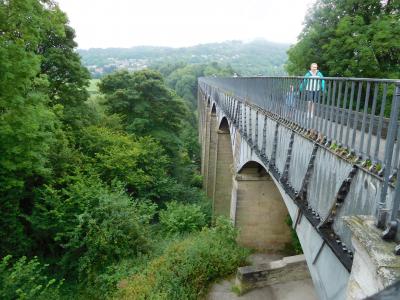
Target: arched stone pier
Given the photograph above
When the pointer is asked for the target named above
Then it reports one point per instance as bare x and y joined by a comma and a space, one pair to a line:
223, 171
260, 212
211, 153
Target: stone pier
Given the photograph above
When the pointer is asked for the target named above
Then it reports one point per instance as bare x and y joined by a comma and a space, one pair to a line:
260, 211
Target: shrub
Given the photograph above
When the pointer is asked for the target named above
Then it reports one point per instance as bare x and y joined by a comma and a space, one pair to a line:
294, 246
181, 218
187, 267
25, 279
91, 225
109, 229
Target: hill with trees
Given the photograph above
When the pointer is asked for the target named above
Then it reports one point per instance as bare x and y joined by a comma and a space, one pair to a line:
258, 57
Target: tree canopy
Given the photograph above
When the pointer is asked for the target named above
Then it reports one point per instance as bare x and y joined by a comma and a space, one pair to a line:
96, 187
147, 107
182, 77
349, 38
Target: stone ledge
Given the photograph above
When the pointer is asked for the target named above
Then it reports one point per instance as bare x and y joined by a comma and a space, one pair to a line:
287, 269
375, 266
251, 177
379, 251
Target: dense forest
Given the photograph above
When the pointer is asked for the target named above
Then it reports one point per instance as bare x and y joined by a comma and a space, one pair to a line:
100, 193
258, 57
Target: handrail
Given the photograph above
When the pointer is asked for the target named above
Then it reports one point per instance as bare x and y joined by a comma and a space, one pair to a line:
387, 80
337, 110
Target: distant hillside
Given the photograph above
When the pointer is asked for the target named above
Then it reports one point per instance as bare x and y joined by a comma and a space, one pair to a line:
253, 58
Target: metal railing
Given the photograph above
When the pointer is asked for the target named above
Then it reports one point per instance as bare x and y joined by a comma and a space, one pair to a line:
358, 115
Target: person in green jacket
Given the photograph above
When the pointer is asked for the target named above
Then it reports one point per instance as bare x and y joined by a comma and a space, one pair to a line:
312, 85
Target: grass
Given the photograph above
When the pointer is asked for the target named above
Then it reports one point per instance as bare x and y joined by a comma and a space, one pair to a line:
236, 289
334, 146
92, 88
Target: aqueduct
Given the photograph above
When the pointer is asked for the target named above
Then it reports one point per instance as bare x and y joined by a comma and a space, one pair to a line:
332, 169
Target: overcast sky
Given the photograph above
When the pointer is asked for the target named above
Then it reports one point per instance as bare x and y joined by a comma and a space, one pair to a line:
178, 23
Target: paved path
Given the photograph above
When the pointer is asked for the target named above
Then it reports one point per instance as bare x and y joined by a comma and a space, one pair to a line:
292, 290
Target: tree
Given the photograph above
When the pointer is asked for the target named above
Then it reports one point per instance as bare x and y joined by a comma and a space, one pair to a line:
349, 38
68, 78
42, 86
183, 78
138, 162
147, 106
26, 121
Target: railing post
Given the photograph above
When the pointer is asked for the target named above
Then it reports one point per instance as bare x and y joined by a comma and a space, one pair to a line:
396, 199
382, 212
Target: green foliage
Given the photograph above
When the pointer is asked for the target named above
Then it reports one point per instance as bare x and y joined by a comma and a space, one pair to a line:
145, 209
183, 77
66, 76
93, 87
25, 279
181, 218
106, 282
83, 179
187, 267
146, 105
89, 225
107, 231
23, 23
349, 38
294, 247
138, 162
26, 121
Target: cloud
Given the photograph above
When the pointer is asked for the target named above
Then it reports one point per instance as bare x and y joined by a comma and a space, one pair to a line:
176, 23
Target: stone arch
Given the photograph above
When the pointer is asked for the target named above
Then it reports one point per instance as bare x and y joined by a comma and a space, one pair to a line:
213, 108
222, 192
258, 210
224, 125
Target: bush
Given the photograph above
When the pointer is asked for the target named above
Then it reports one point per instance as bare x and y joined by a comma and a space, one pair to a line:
25, 279
109, 229
181, 218
187, 267
91, 225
